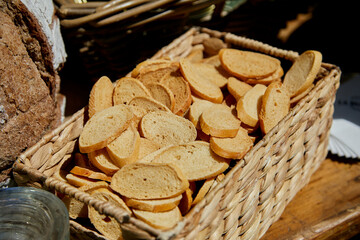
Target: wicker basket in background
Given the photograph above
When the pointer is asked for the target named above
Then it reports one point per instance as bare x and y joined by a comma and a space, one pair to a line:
254, 192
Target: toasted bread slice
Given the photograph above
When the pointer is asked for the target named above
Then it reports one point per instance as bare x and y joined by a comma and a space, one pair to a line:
79, 181
275, 106
160, 220
276, 76
165, 128
162, 94
219, 121
147, 64
303, 72
100, 95
104, 127
204, 189
78, 209
195, 159
125, 148
153, 74
156, 205
196, 109
148, 104
101, 160
146, 147
248, 106
89, 173
181, 90
248, 64
237, 88
106, 225
212, 73
232, 148
127, 88
201, 86
196, 54
294, 100
186, 201
149, 181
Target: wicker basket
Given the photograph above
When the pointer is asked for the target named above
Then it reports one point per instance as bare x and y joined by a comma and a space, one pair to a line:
254, 192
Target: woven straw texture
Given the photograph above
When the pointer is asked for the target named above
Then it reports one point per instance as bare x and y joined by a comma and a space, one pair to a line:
254, 192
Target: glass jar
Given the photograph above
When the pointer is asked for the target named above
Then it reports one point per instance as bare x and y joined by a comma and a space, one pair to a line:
32, 213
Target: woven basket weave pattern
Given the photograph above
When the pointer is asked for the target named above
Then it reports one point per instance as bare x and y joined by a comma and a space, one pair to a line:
254, 192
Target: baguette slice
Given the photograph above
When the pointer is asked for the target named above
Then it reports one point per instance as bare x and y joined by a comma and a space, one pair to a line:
104, 127
153, 74
276, 76
148, 104
125, 148
196, 160
79, 181
237, 88
181, 90
248, 106
219, 121
100, 95
162, 94
149, 181
200, 85
147, 64
86, 172
101, 160
204, 189
303, 72
248, 64
275, 106
78, 209
196, 109
186, 201
127, 88
106, 225
156, 205
212, 73
232, 148
165, 128
160, 220
146, 147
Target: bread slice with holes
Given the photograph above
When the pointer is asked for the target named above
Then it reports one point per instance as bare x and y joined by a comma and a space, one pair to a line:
149, 181
162, 94
181, 90
196, 109
275, 106
219, 121
153, 74
127, 88
106, 225
199, 84
302, 73
248, 64
160, 220
104, 127
166, 128
100, 95
154, 205
248, 107
195, 159
232, 148
125, 148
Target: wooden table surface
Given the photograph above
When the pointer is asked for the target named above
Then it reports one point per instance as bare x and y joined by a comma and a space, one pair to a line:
327, 208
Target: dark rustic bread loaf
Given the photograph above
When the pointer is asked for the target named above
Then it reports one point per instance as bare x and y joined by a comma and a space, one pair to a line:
29, 81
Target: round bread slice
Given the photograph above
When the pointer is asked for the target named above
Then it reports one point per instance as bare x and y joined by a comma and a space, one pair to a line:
199, 84
232, 148
100, 95
237, 88
166, 128
211, 73
196, 160
153, 74
104, 127
154, 205
186, 201
101, 160
125, 148
149, 181
160, 220
248, 64
196, 109
181, 90
303, 72
146, 147
204, 189
146, 64
276, 76
219, 121
127, 88
106, 225
162, 94
248, 107
275, 106
148, 104
89, 173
